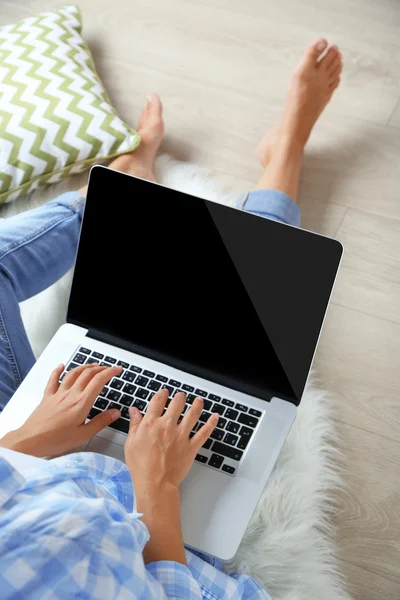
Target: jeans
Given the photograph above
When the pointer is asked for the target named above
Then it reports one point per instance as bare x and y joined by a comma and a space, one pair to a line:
39, 246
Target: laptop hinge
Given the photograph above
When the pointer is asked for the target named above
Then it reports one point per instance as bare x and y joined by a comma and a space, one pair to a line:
229, 382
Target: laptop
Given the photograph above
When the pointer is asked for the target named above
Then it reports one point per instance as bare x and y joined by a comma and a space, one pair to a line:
193, 296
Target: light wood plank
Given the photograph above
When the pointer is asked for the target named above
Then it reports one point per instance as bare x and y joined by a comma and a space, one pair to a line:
369, 515
366, 585
370, 275
358, 358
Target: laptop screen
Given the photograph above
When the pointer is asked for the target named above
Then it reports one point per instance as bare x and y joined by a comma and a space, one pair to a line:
215, 291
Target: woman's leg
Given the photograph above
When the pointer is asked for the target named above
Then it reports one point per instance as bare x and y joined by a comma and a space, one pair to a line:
281, 151
39, 246
36, 249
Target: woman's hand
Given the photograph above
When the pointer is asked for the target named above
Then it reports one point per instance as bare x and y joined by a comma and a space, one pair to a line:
57, 425
158, 450
159, 454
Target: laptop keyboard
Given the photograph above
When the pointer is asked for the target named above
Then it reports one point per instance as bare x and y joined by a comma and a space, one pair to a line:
136, 387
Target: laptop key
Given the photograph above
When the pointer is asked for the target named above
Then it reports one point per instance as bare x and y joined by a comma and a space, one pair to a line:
104, 391
201, 393
97, 355
140, 405
79, 358
230, 439
135, 369
123, 364
113, 395
242, 443
207, 444
175, 383
200, 458
231, 414
72, 366
129, 376
169, 388
221, 422
141, 393
142, 381
232, 427
227, 402
125, 413
129, 389
110, 359
229, 469
154, 385
246, 432
207, 404
114, 405
216, 461
187, 388
84, 350
214, 398
190, 398
120, 425
204, 416
241, 407
126, 400
91, 361
162, 378
101, 403
227, 451
248, 420
149, 373
217, 434
116, 384
255, 413
217, 408
93, 413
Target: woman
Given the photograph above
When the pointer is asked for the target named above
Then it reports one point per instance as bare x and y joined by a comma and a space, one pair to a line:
69, 526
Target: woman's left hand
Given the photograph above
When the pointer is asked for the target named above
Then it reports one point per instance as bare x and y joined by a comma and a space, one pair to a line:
57, 425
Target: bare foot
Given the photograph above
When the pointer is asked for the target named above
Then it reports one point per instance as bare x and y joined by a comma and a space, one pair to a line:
310, 89
140, 162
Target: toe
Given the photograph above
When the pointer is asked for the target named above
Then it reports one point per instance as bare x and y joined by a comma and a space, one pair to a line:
314, 50
330, 58
335, 72
154, 106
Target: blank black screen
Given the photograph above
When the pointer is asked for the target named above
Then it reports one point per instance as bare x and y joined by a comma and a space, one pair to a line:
219, 292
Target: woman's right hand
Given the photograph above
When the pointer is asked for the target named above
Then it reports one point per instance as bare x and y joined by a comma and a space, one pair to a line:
159, 454
158, 450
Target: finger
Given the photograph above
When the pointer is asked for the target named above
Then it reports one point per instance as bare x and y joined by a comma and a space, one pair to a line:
157, 404
98, 423
87, 376
73, 375
175, 409
52, 384
204, 433
135, 419
96, 384
192, 416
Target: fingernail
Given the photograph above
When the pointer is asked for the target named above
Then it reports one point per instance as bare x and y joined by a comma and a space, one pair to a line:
132, 411
335, 47
149, 97
216, 416
321, 45
115, 414
61, 365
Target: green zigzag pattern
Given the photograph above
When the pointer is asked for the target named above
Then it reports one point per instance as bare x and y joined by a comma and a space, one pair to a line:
60, 141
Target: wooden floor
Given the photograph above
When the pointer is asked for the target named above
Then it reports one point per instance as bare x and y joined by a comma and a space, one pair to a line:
221, 68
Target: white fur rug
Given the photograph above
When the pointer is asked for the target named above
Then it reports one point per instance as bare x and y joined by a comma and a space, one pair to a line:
289, 543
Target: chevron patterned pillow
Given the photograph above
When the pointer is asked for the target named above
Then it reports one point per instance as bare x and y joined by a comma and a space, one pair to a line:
56, 118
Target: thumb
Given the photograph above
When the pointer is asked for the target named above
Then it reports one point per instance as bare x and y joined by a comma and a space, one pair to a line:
101, 421
136, 419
